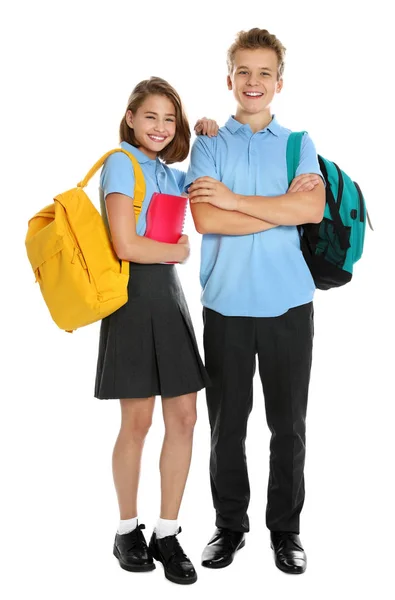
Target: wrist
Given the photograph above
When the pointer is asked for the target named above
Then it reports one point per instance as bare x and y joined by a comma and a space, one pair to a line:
239, 201
181, 252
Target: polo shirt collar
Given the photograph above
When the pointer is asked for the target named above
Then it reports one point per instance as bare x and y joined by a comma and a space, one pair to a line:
233, 126
141, 157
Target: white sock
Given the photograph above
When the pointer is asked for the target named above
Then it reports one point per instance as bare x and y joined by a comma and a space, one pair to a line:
127, 525
165, 527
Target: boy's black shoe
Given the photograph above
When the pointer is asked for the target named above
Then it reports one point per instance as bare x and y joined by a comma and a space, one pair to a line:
221, 549
288, 552
178, 568
132, 552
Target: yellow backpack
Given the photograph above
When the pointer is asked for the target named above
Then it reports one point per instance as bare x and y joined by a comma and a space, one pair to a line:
80, 276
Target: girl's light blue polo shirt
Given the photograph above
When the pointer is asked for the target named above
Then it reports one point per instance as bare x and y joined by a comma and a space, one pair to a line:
117, 176
262, 274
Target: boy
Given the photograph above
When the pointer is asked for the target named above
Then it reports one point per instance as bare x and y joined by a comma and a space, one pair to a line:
257, 297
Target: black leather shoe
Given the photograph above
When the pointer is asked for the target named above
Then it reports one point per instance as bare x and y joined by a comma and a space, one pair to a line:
132, 552
221, 549
288, 552
178, 568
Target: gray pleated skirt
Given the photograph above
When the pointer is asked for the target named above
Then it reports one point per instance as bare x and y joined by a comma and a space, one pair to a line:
148, 346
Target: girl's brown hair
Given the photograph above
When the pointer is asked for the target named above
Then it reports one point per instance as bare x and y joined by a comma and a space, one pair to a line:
178, 148
255, 39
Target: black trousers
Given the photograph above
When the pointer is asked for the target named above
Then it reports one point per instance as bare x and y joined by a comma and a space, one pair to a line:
284, 348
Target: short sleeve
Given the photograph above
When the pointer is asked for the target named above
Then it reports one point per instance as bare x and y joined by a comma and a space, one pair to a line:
179, 176
308, 162
202, 163
117, 176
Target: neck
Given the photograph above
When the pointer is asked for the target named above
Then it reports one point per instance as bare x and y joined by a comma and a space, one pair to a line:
256, 122
150, 153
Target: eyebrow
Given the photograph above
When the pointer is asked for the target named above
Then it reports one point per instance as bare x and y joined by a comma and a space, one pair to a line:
262, 68
151, 112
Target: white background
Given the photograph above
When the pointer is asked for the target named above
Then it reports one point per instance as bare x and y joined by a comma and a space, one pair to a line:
67, 71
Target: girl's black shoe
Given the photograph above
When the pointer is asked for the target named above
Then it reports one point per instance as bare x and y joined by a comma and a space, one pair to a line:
178, 568
132, 552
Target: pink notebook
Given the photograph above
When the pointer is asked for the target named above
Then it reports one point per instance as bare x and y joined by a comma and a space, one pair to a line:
165, 217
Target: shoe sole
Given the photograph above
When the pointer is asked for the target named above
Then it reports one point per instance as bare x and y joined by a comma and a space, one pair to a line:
172, 578
229, 562
134, 568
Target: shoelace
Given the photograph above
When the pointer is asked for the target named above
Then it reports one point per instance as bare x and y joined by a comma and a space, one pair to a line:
173, 546
138, 538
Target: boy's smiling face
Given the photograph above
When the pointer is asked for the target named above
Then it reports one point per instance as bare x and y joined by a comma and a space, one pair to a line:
254, 80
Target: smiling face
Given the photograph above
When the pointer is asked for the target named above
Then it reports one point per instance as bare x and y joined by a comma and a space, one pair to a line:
153, 124
254, 81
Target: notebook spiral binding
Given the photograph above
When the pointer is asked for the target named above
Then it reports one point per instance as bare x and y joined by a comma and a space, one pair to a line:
185, 216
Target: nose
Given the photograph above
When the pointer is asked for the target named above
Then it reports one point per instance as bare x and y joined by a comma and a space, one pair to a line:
252, 80
160, 126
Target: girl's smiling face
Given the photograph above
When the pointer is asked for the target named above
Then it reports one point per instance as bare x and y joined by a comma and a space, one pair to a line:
154, 124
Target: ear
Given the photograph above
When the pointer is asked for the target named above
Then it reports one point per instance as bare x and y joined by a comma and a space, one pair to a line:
129, 118
229, 82
279, 86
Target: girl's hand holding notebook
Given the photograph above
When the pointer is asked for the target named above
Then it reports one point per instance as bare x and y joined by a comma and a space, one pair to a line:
165, 217
184, 241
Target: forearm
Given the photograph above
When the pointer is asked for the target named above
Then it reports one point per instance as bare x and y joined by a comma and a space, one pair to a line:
210, 219
289, 209
146, 251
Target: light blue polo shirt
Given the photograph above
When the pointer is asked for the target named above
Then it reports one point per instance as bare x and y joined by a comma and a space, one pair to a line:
262, 274
117, 176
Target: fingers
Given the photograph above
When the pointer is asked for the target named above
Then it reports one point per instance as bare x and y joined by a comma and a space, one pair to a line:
201, 191
199, 127
301, 180
212, 128
303, 187
306, 177
205, 179
201, 194
200, 200
201, 185
202, 188
207, 127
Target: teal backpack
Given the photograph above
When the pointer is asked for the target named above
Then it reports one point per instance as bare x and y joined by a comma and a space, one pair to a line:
331, 248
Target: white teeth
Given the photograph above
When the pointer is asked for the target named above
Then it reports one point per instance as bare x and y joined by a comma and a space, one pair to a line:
254, 94
157, 138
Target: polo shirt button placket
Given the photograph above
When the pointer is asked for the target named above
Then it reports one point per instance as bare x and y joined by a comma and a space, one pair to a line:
160, 177
251, 150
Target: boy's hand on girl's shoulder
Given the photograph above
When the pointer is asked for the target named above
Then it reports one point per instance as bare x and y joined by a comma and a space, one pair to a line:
207, 127
212, 191
304, 183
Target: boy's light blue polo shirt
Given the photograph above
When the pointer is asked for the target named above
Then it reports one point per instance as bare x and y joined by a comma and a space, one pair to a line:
117, 176
262, 274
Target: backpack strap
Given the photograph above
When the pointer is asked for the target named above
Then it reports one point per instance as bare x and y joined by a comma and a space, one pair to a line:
294, 146
334, 206
139, 189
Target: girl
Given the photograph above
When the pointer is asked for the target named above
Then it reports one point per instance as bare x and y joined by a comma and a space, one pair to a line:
148, 347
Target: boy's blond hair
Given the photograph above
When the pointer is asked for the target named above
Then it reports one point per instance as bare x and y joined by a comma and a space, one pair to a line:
256, 39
